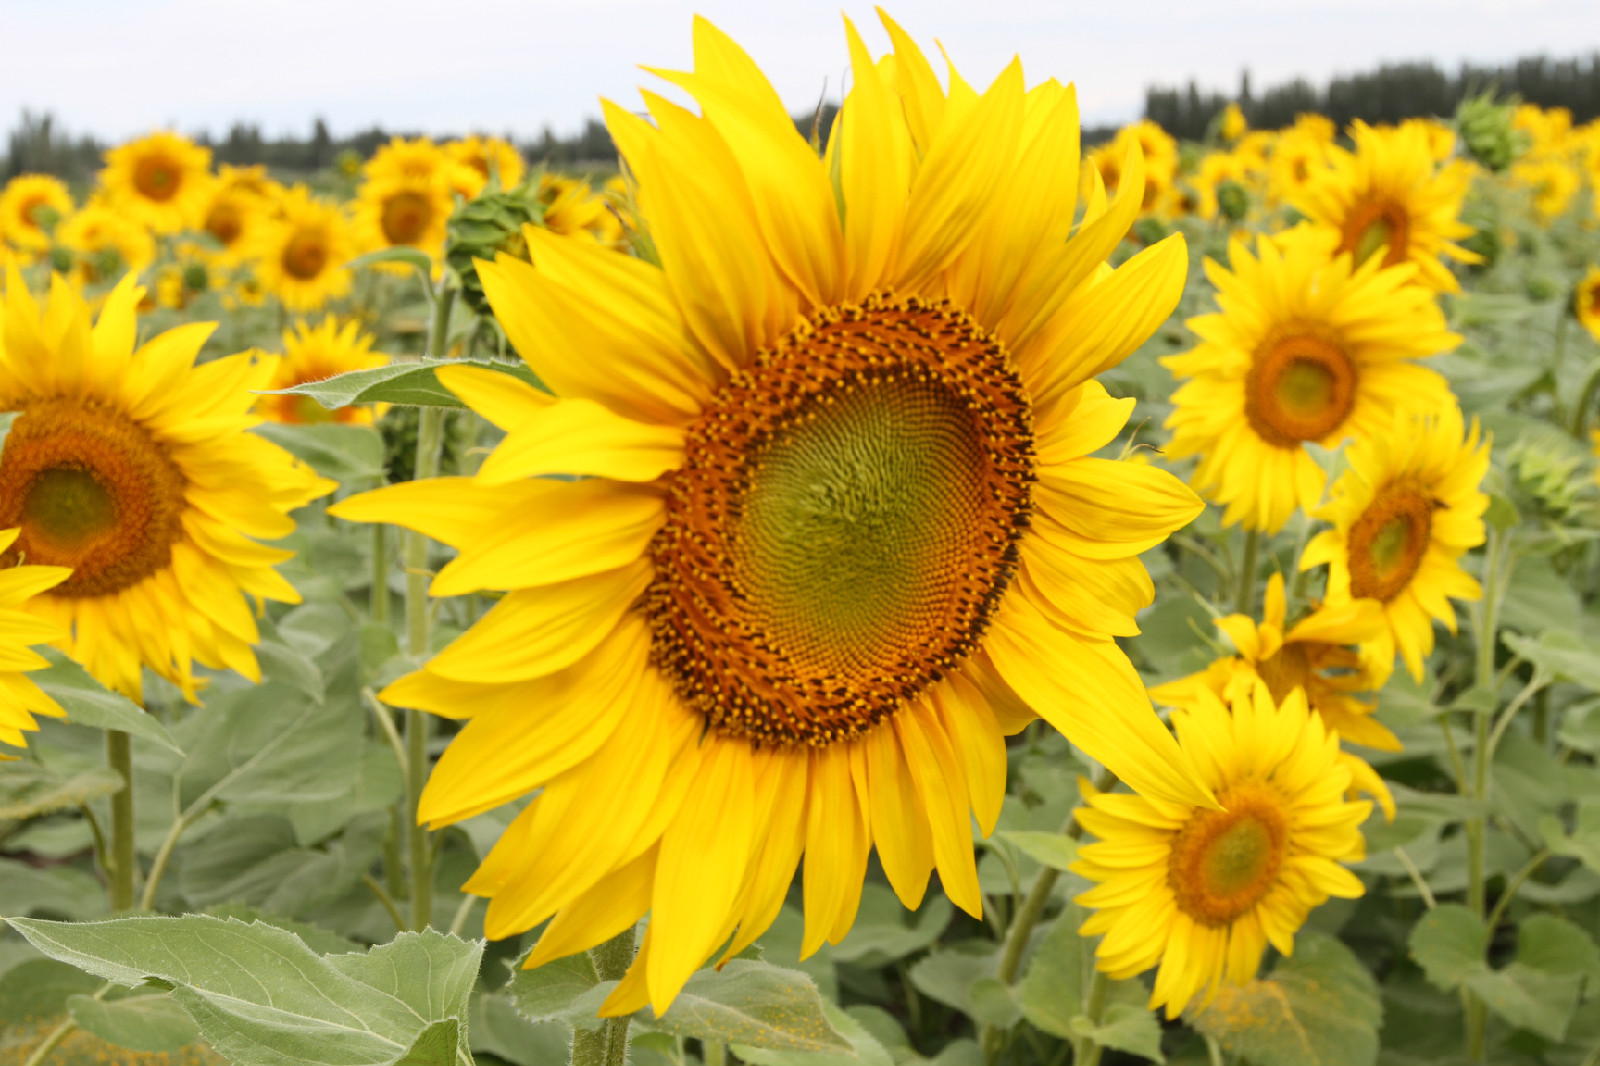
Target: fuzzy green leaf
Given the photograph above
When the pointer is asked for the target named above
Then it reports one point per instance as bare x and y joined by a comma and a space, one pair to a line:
1449, 943
28, 789
412, 384
1051, 849
345, 453
143, 1023
89, 703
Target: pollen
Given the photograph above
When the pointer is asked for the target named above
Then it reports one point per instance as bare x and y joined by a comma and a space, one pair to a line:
844, 523
90, 489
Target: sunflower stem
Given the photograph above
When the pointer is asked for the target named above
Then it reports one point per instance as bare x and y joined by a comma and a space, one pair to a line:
608, 1045
120, 863
1085, 1051
1244, 601
380, 574
1580, 413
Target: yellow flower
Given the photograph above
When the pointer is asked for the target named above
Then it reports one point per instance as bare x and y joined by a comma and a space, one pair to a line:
836, 532
1296, 159
413, 160
104, 243
1215, 169
1404, 512
1305, 349
1318, 128
134, 467
1201, 893
1586, 302
1552, 183
1390, 194
480, 156
160, 180
30, 207
1233, 124
315, 355
300, 256
241, 201
396, 212
572, 209
21, 699
1441, 137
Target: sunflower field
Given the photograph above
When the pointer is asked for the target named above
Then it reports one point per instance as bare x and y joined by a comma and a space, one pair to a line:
914, 589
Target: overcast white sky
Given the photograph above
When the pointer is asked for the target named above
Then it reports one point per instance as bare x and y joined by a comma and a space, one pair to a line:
118, 67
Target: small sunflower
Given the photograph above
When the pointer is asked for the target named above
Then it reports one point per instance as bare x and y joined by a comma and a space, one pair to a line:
1404, 512
1232, 124
300, 257
241, 201
160, 180
1391, 194
104, 243
1305, 349
1586, 302
1552, 184
397, 212
836, 531
409, 160
486, 156
573, 209
315, 354
1296, 159
30, 208
134, 467
21, 699
1202, 892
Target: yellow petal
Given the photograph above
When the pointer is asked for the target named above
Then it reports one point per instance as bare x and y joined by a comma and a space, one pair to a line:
580, 437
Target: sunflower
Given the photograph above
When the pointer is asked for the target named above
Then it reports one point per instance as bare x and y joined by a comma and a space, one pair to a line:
1306, 349
1295, 160
315, 355
573, 209
252, 181
484, 157
1586, 302
409, 160
1390, 194
1232, 125
1313, 657
1202, 892
30, 207
105, 243
134, 468
300, 256
396, 212
1552, 184
21, 699
1404, 512
160, 180
835, 535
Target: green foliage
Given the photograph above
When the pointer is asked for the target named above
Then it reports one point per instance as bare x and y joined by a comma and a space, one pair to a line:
411, 384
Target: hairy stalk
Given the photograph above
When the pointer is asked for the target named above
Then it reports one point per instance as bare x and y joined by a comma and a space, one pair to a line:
1244, 600
380, 574
608, 1045
121, 862
1085, 1052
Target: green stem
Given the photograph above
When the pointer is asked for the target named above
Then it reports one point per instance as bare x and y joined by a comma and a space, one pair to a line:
716, 1053
608, 1045
1244, 602
61, 1032
386, 900
1580, 413
119, 757
1214, 1051
1503, 904
1085, 1051
380, 574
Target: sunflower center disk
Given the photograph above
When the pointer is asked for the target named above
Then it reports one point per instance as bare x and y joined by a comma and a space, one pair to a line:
844, 524
1301, 387
1387, 543
405, 217
1286, 671
305, 256
1374, 225
92, 491
156, 178
1224, 862
225, 224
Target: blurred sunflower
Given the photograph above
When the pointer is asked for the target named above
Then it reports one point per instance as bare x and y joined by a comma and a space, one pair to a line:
134, 467
316, 354
104, 243
408, 160
21, 699
1232, 125
1201, 892
836, 532
1295, 160
1403, 513
1306, 349
30, 209
486, 156
1390, 194
300, 257
1552, 183
1586, 302
161, 181
572, 208
402, 212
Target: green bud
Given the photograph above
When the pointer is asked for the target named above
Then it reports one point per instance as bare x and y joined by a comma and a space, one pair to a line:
1233, 200
1485, 128
195, 278
1545, 475
1149, 231
61, 259
490, 224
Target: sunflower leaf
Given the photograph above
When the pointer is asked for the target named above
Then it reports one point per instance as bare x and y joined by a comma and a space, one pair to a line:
89, 703
750, 1002
141, 1022
1449, 944
29, 789
261, 997
411, 384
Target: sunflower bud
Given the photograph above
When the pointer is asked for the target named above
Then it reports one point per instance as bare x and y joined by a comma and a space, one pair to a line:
484, 226
1233, 200
348, 163
1544, 474
1486, 130
1148, 231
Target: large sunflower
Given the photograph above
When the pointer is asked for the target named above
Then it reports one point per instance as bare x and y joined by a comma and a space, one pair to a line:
836, 533
1390, 194
1200, 892
21, 699
134, 468
315, 354
300, 256
1404, 512
160, 180
1305, 349
30, 207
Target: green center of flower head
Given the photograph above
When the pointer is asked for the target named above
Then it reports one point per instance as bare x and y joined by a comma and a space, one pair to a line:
1224, 861
1386, 544
844, 523
1301, 386
70, 505
1237, 856
1374, 225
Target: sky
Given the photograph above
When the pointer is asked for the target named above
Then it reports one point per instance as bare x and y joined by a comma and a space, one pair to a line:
116, 68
